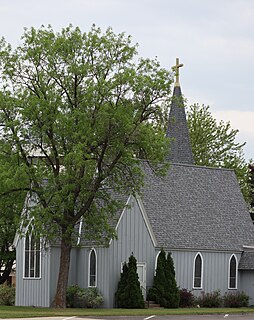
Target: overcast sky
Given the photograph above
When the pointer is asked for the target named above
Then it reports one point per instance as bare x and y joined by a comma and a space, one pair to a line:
214, 39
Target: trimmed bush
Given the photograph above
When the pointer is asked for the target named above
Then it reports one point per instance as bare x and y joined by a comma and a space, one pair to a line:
129, 294
156, 293
164, 290
172, 294
120, 293
210, 300
93, 299
236, 299
77, 297
7, 295
187, 299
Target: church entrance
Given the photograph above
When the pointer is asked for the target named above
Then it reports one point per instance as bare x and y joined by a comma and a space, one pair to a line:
141, 270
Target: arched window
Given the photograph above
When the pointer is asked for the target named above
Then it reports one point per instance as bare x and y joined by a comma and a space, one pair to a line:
32, 259
232, 281
156, 261
92, 269
197, 271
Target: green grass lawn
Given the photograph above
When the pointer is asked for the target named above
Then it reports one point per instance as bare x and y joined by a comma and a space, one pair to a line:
23, 312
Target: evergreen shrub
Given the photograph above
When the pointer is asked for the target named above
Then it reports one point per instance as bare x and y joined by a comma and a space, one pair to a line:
210, 300
187, 299
7, 295
77, 297
236, 299
120, 293
164, 290
129, 294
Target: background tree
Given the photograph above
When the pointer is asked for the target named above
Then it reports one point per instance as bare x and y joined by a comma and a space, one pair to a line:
129, 294
77, 108
251, 189
214, 144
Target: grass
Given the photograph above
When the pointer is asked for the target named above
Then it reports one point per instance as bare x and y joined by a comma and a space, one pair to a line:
30, 312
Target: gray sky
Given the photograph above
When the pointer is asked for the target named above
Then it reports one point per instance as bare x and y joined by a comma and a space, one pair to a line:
213, 38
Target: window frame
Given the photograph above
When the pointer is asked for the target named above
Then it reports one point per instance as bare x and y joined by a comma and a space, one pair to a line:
89, 268
201, 271
32, 257
156, 262
233, 256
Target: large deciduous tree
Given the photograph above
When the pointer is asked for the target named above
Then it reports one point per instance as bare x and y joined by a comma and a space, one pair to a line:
214, 144
79, 109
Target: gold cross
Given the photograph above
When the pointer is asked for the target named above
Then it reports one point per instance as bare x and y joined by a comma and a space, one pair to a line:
176, 69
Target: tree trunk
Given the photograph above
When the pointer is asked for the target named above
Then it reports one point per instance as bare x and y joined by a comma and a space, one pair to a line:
6, 272
60, 296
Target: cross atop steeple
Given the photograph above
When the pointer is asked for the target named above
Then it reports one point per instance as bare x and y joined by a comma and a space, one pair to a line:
176, 69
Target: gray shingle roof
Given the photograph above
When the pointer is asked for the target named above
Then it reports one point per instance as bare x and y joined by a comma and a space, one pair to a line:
180, 147
246, 261
197, 207
194, 207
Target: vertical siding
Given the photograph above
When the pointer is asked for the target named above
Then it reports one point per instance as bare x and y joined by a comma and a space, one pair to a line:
32, 292
133, 237
215, 270
247, 284
102, 270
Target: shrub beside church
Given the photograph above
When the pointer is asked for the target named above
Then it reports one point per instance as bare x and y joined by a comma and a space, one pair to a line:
129, 294
164, 290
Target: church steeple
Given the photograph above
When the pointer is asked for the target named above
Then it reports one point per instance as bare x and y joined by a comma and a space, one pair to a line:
180, 146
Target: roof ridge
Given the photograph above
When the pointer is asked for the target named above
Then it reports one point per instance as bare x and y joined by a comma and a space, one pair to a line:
199, 166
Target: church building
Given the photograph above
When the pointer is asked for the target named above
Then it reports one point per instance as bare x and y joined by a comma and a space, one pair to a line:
196, 213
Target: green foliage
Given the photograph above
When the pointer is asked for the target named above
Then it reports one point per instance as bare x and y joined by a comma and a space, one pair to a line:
187, 299
120, 293
236, 299
79, 109
11, 205
129, 294
214, 144
172, 295
210, 300
7, 295
156, 293
165, 290
74, 296
251, 188
77, 297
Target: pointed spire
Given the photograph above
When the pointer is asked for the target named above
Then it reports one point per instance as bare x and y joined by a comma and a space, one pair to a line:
177, 131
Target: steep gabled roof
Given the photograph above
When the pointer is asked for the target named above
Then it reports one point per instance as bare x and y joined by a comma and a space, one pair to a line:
197, 208
193, 207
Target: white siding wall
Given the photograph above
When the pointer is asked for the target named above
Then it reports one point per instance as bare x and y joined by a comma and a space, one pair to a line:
32, 292
247, 284
215, 270
133, 236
